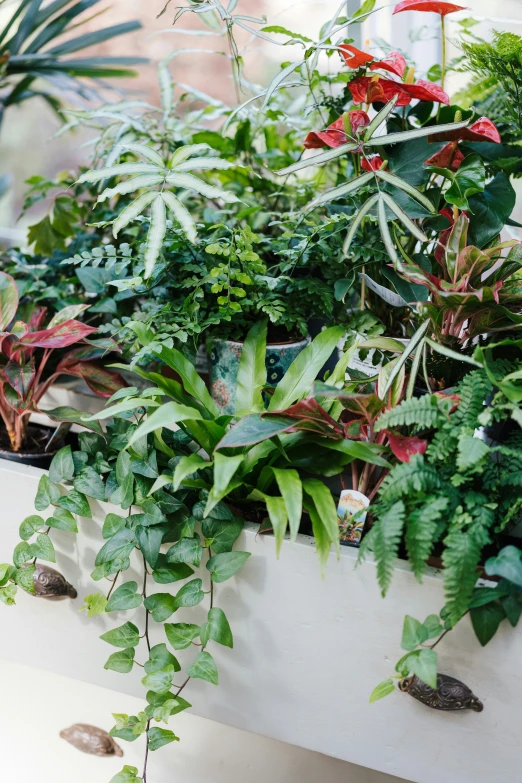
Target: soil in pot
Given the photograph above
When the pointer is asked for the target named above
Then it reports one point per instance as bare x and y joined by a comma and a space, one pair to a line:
34, 451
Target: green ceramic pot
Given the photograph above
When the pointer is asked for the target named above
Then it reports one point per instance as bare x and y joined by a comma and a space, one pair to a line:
224, 357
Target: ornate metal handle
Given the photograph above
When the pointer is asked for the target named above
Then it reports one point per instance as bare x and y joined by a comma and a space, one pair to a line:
450, 694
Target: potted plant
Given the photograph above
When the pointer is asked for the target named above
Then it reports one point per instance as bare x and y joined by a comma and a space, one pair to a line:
32, 357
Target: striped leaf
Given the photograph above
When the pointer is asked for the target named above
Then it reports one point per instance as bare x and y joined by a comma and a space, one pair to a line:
118, 170
131, 212
181, 215
340, 190
158, 227
189, 182
131, 185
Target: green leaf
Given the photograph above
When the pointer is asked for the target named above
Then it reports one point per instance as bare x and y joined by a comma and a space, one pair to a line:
124, 597
30, 526
181, 215
413, 633
124, 636
94, 604
204, 668
160, 658
8, 300
158, 227
7, 594
383, 689
76, 503
149, 540
291, 491
161, 606
89, 483
225, 565
136, 207
401, 184
160, 737
490, 210
341, 190
127, 775
65, 413
62, 466
471, 452
431, 130
218, 628
169, 415
423, 663
469, 179
224, 470
190, 594
432, 626
7, 572
186, 467
187, 550
160, 681
325, 507
24, 577
251, 376
121, 661
221, 534
318, 160
22, 553
278, 518
299, 377
180, 635
507, 564
43, 548
118, 547
62, 520
165, 573
486, 620
46, 494
112, 525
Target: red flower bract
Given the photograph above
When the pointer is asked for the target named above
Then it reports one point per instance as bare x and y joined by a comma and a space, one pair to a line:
394, 63
335, 135
368, 89
435, 6
481, 130
404, 447
373, 163
354, 57
449, 157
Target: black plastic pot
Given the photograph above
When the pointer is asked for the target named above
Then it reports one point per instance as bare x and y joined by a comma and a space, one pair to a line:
38, 459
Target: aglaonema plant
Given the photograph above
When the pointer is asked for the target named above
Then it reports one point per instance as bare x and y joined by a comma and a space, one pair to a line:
28, 351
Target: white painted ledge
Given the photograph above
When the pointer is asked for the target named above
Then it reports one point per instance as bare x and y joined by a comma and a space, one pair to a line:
208, 752
307, 654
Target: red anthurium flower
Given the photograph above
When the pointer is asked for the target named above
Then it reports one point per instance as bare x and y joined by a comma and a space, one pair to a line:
405, 447
435, 6
481, 130
449, 157
373, 163
353, 57
394, 63
368, 89
335, 135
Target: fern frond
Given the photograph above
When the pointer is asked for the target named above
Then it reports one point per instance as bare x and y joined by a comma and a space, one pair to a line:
407, 478
461, 558
384, 540
443, 445
473, 390
422, 532
472, 453
425, 412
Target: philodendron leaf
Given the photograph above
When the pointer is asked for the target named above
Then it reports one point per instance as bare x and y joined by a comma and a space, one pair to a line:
118, 547
159, 737
225, 565
218, 627
186, 550
76, 503
204, 668
381, 690
46, 494
413, 633
507, 564
126, 635
62, 520
62, 466
30, 526
423, 663
43, 548
181, 635
121, 661
124, 597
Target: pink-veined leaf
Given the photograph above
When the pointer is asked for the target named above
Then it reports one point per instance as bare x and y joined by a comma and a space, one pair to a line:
60, 336
404, 447
101, 381
20, 377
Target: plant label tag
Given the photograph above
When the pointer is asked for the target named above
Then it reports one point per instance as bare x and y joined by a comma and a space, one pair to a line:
351, 513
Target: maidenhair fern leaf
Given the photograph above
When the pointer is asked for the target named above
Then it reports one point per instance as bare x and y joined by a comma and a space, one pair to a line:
424, 412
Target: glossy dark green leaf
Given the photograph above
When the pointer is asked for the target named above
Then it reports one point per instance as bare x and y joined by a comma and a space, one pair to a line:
508, 564
24, 577
225, 565
62, 520
89, 483
161, 606
187, 550
190, 594
112, 525
218, 627
46, 494
118, 547
221, 534
149, 540
76, 503
165, 573
43, 548
30, 526
486, 620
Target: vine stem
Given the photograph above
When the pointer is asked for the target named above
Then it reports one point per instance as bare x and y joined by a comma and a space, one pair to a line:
147, 640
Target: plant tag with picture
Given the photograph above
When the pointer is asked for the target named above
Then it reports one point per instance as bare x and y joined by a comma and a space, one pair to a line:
351, 513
